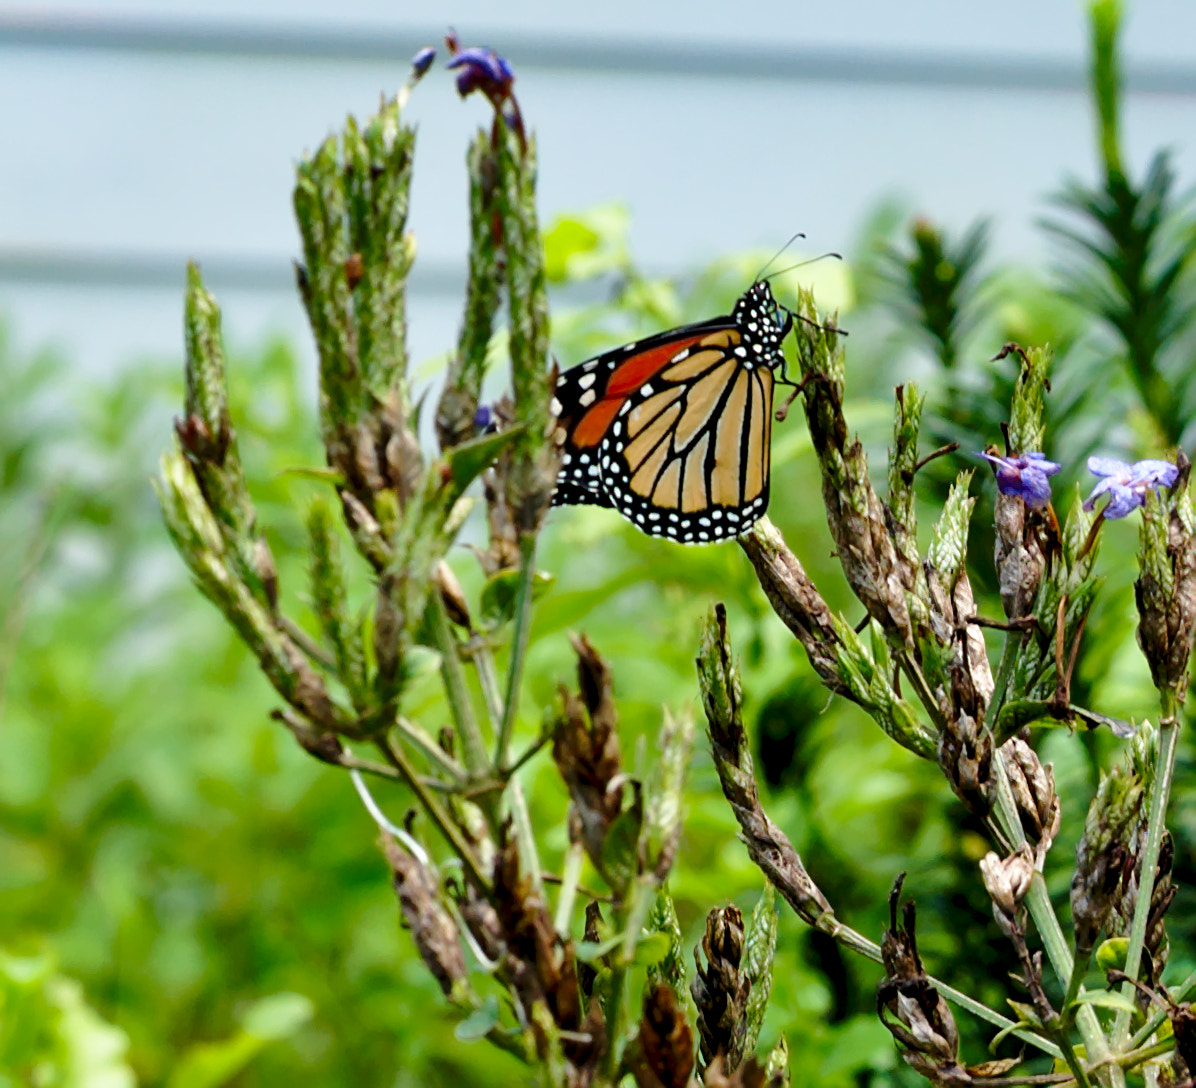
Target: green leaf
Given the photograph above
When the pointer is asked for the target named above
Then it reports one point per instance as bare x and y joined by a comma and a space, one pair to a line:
652, 949
277, 1016
565, 239
1110, 954
589, 951
470, 459
1025, 1013
497, 601
620, 848
1108, 999
478, 1023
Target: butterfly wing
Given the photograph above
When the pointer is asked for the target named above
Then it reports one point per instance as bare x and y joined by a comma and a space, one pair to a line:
674, 431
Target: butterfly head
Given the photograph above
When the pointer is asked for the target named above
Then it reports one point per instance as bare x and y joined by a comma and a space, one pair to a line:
758, 311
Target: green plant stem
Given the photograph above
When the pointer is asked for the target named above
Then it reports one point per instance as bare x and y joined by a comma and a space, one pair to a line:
438, 816
437, 756
525, 836
483, 663
1005, 667
1038, 902
858, 943
1156, 1018
925, 695
1155, 827
1078, 970
570, 879
473, 747
523, 623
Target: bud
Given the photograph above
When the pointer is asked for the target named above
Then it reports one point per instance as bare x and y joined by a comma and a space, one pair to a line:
666, 1041
916, 1015
1033, 788
1165, 591
432, 928
452, 594
1104, 852
965, 755
1008, 879
720, 990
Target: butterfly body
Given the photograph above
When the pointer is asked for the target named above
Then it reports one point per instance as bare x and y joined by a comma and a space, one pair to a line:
673, 431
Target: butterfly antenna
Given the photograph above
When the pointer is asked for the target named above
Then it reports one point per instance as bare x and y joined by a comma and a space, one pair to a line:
802, 264
760, 275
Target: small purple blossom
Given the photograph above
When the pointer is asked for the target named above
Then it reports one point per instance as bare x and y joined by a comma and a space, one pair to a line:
485, 420
1026, 476
1127, 485
422, 60
484, 70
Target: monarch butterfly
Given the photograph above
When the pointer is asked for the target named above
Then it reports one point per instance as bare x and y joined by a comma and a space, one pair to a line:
673, 431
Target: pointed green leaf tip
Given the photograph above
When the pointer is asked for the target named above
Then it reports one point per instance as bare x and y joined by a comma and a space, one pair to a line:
1026, 431
949, 548
470, 459
672, 968
759, 948
665, 788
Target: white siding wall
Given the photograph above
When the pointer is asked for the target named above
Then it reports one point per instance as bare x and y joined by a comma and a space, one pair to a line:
119, 163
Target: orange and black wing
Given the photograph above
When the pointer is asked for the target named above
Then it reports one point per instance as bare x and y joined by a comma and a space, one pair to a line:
674, 431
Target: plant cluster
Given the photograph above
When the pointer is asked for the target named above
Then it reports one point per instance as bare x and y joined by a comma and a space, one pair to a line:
581, 972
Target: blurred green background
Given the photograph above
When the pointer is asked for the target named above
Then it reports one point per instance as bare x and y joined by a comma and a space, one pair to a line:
189, 900
216, 893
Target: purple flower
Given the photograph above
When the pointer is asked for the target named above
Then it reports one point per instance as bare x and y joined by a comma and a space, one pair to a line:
422, 60
482, 70
1127, 485
1026, 476
485, 420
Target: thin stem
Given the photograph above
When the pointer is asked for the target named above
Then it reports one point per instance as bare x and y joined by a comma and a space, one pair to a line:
355, 763
858, 943
1156, 1018
305, 642
1155, 827
439, 817
525, 837
473, 748
523, 624
1009, 652
1038, 902
1078, 970
925, 695
437, 756
483, 663
570, 878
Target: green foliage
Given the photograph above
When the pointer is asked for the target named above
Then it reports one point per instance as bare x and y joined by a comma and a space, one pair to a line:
216, 895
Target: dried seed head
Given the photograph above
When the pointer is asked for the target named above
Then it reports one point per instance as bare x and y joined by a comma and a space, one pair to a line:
965, 755
916, 1015
1165, 591
1008, 879
539, 965
1033, 788
587, 754
665, 1038
720, 990
432, 928
1104, 852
